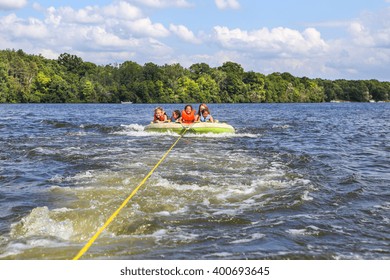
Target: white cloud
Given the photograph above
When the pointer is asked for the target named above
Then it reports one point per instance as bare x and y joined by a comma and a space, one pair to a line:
12, 4
122, 10
48, 53
371, 32
16, 28
278, 41
164, 3
184, 33
227, 4
93, 32
120, 18
99, 38
121, 30
145, 27
69, 15
93, 14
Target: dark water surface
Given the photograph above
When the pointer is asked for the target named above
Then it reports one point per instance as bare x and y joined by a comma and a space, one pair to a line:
297, 181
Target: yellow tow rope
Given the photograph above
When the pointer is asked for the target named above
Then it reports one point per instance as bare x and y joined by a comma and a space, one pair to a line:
113, 216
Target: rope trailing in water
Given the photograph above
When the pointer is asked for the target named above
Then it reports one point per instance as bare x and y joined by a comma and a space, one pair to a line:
113, 216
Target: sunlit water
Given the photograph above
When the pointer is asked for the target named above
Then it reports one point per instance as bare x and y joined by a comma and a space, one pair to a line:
296, 181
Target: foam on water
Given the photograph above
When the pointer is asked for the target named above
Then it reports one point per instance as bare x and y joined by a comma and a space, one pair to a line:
39, 223
309, 230
143, 218
219, 255
295, 181
253, 237
137, 130
134, 127
173, 203
306, 196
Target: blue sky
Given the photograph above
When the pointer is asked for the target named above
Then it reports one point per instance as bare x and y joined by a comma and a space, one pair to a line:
329, 39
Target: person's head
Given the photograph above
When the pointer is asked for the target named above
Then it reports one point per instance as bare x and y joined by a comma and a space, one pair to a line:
158, 112
188, 109
176, 114
202, 107
205, 112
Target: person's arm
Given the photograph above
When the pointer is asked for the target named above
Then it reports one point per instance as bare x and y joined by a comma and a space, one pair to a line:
211, 118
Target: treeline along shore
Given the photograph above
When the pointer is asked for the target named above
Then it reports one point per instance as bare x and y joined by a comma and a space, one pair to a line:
26, 78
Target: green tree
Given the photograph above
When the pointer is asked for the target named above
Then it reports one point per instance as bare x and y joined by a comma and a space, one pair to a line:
151, 72
4, 89
378, 90
255, 87
33, 78
40, 88
188, 90
199, 69
277, 88
232, 87
208, 89
72, 63
88, 91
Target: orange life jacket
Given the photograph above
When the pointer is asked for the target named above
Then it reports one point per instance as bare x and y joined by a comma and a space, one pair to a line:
188, 118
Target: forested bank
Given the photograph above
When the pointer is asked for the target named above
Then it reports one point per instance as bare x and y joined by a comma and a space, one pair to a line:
28, 78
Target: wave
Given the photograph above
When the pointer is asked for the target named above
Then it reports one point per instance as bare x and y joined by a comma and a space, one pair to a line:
167, 198
41, 223
81, 128
138, 130
59, 124
190, 190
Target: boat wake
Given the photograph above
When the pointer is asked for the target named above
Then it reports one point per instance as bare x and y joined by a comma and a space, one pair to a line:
138, 130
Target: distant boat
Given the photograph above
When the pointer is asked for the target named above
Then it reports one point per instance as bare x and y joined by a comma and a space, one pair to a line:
126, 102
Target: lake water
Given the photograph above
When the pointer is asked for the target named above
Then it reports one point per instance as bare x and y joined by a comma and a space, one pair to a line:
296, 181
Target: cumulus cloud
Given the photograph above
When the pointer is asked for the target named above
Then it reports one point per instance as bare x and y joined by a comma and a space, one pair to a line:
145, 27
306, 53
119, 19
12, 4
16, 28
164, 3
278, 41
122, 30
371, 30
122, 10
94, 32
364, 48
184, 33
69, 15
93, 14
227, 4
